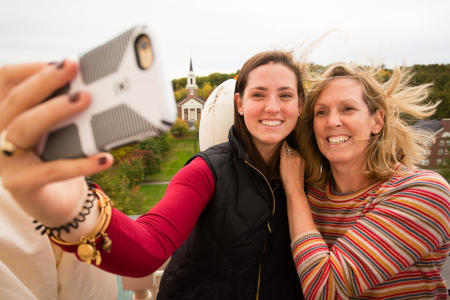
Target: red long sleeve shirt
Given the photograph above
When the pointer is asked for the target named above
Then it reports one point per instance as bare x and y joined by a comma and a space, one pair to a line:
140, 247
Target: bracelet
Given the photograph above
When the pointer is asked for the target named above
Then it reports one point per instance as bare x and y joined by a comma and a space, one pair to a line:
85, 210
86, 246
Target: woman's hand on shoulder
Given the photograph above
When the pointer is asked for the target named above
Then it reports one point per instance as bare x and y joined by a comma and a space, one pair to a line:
52, 192
292, 168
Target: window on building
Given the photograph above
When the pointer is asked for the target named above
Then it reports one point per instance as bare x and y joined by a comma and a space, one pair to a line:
425, 162
190, 80
192, 114
185, 114
199, 112
441, 143
439, 161
191, 92
446, 151
447, 142
440, 152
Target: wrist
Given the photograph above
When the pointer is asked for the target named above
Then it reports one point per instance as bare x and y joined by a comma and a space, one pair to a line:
87, 243
80, 222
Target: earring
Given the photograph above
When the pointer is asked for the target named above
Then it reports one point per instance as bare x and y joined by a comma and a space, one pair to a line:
241, 113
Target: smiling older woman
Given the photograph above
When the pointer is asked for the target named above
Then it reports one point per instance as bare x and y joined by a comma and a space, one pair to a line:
366, 224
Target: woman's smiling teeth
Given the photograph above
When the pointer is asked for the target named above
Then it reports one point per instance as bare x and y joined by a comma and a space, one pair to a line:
338, 139
271, 122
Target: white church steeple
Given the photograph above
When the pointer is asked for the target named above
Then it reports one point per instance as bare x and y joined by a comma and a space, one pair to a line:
191, 86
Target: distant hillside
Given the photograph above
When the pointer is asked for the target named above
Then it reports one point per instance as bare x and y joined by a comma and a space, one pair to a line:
437, 74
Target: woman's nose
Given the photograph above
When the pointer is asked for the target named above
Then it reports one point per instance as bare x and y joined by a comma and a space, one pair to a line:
272, 105
334, 119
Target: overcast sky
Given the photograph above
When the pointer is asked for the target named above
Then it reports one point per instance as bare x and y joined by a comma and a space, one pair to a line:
222, 34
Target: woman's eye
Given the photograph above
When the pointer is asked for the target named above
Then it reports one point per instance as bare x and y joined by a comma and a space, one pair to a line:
286, 96
257, 95
320, 112
349, 108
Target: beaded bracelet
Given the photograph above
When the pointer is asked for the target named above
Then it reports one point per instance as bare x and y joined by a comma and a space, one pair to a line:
81, 217
87, 245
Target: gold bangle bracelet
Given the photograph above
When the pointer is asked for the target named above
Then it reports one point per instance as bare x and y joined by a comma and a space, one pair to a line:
87, 249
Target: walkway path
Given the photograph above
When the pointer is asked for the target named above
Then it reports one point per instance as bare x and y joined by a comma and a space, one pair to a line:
155, 183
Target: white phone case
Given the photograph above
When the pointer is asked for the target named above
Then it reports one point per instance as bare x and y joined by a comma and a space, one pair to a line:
129, 103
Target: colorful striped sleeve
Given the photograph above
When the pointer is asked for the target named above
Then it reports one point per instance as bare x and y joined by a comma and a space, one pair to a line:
408, 223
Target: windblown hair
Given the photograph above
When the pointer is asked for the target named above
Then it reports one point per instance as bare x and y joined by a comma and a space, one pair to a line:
271, 171
397, 142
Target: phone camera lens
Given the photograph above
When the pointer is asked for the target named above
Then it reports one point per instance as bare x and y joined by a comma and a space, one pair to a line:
144, 45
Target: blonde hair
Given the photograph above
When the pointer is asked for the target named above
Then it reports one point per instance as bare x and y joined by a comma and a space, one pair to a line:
397, 142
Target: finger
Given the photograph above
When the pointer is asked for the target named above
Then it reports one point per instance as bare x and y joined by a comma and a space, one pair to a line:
39, 175
35, 89
27, 129
10, 75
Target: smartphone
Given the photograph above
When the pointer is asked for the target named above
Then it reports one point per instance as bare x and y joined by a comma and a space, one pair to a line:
132, 98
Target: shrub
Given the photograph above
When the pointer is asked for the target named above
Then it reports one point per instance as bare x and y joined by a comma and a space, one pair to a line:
121, 152
179, 128
150, 161
116, 185
133, 168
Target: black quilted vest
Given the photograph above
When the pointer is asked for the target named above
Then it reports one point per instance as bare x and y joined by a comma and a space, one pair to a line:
240, 246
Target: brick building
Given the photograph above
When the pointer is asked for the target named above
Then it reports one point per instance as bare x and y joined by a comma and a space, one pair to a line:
190, 108
439, 151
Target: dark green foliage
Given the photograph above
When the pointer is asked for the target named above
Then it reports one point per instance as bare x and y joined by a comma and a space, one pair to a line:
116, 185
159, 145
133, 163
439, 75
133, 168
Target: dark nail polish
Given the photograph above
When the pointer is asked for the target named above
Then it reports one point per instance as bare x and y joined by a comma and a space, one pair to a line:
52, 63
60, 65
74, 97
102, 160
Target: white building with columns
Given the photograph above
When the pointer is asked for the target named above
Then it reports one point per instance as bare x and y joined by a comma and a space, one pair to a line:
190, 108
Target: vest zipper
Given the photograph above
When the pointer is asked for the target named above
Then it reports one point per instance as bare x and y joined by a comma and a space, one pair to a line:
268, 226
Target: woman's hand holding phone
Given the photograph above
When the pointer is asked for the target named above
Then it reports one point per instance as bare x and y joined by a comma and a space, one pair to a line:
51, 192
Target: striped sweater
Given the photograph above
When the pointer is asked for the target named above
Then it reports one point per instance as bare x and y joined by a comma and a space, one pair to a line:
388, 241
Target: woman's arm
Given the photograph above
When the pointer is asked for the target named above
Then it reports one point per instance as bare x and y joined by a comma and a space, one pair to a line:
292, 168
140, 247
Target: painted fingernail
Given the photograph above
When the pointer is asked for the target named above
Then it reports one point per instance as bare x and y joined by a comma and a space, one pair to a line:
74, 97
102, 160
60, 65
52, 63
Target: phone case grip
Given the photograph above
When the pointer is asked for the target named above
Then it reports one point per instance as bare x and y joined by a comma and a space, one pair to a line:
104, 60
119, 124
64, 140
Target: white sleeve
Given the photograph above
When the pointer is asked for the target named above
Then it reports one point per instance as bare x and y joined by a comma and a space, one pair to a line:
30, 268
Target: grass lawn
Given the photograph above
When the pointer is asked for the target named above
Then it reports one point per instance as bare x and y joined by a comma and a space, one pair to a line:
173, 161
153, 193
